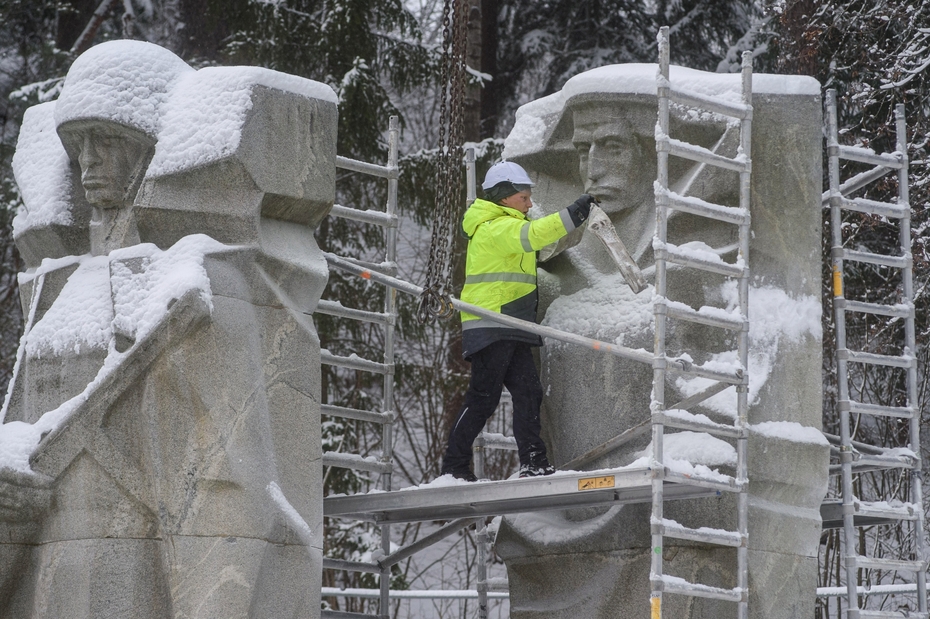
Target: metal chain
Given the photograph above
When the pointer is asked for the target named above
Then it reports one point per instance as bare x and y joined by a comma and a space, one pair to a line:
435, 301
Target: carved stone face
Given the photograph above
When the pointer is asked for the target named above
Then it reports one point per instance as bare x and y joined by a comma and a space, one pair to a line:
111, 159
615, 161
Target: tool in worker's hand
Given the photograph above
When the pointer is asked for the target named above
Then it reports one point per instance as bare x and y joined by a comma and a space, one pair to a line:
599, 223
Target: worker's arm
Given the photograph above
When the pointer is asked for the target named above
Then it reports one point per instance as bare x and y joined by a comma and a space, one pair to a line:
516, 235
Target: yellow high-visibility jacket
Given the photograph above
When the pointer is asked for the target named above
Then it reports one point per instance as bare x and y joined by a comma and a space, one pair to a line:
500, 269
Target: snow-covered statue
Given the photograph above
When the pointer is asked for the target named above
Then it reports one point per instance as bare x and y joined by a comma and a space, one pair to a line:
159, 446
597, 135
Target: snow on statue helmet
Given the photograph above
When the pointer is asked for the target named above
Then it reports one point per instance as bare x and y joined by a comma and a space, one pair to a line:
123, 82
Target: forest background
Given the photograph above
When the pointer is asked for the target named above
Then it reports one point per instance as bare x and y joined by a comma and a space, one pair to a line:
383, 58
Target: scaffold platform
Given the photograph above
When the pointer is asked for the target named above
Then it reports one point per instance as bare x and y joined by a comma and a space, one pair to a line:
564, 489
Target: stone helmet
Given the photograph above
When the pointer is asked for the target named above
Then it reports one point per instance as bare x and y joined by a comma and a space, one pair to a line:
123, 82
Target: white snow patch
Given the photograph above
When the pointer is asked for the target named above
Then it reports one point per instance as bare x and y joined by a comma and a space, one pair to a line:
204, 116
300, 526
640, 78
606, 309
125, 82
141, 299
80, 318
444, 481
531, 123
42, 171
17, 440
694, 447
82, 315
774, 316
790, 431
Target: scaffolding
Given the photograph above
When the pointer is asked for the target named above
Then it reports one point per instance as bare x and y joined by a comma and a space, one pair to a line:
382, 465
665, 417
858, 456
467, 505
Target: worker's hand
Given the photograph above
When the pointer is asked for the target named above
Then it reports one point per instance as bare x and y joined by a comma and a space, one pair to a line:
581, 208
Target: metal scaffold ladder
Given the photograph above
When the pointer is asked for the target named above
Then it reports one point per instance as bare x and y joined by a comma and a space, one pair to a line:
663, 416
857, 457
382, 465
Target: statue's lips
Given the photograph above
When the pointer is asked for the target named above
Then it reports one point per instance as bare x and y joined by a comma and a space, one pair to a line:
95, 182
606, 194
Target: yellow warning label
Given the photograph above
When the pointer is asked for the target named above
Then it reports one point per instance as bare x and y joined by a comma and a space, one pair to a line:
837, 281
656, 603
594, 483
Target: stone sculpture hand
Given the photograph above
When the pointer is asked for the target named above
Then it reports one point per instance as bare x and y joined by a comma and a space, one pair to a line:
24, 497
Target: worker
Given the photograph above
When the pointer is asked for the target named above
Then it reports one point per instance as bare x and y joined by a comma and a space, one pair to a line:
500, 276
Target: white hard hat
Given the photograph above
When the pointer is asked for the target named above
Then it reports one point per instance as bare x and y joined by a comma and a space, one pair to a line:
506, 171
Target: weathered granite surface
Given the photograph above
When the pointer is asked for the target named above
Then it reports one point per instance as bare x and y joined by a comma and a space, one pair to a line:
597, 135
168, 385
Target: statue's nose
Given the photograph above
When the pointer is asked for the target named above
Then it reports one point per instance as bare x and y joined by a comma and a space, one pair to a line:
88, 156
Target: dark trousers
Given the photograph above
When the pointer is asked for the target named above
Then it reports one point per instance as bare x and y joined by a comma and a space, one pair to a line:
501, 364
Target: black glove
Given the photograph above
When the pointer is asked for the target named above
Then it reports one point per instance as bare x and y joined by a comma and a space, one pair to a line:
580, 209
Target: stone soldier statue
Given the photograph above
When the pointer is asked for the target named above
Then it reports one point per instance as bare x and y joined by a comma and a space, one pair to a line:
167, 389
597, 136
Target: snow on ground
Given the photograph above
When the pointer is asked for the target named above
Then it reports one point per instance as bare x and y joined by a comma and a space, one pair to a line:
42, 171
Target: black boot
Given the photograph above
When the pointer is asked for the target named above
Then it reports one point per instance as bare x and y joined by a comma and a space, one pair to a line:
537, 466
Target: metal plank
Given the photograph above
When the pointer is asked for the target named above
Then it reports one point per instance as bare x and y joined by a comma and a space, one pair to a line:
703, 208
897, 311
893, 361
562, 490
675, 254
900, 412
350, 566
682, 587
876, 563
690, 314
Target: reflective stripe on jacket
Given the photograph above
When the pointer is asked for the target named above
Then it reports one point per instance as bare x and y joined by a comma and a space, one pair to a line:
500, 268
